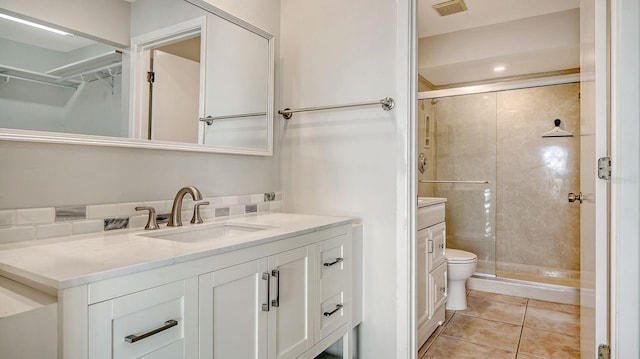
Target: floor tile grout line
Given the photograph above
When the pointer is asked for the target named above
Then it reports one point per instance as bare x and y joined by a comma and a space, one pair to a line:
522, 328
493, 320
478, 344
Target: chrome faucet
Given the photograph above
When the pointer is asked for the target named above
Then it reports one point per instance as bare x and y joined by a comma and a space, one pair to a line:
175, 220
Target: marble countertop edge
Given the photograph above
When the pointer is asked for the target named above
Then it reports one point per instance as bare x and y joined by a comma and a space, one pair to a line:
54, 265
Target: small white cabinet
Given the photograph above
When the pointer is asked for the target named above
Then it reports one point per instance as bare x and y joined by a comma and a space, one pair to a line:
431, 270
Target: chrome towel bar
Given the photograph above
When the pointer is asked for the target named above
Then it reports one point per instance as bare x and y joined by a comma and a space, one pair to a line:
463, 182
209, 119
387, 104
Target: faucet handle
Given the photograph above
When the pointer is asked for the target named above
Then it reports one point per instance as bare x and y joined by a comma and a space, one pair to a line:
151, 221
196, 212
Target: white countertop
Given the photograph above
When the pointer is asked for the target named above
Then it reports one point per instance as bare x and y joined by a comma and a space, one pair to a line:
71, 261
429, 201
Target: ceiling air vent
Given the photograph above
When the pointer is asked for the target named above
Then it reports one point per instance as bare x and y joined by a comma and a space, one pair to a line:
450, 7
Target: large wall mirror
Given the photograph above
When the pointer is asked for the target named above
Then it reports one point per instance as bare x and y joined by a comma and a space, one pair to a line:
192, 78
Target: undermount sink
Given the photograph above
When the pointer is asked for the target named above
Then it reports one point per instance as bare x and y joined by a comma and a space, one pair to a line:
207, 232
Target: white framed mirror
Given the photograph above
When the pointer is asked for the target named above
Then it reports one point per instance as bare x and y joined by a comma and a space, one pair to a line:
96, 92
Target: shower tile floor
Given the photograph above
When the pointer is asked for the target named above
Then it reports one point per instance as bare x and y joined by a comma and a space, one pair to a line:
498, 326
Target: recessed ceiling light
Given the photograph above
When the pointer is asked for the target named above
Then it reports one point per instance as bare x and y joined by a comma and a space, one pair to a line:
25, 22
499, 68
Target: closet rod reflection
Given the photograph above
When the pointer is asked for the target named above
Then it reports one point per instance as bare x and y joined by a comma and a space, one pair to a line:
387, 104
463, 182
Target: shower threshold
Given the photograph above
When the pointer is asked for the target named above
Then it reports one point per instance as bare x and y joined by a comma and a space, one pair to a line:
524, 288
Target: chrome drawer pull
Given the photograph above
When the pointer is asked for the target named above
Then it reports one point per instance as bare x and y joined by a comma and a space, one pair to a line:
134, 338
338, 260
276, 302
267, 277
328, 314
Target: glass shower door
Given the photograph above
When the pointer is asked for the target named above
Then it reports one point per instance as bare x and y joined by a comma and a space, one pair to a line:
458, 139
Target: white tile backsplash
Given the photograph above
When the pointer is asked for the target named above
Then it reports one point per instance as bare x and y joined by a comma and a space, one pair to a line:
160, 206
31, 216
15, 234
7, 218
40, 223
230, 201
275, 205
138, 221
89, 226
236, 210
101, 211
257, 198
128, 209
53, 230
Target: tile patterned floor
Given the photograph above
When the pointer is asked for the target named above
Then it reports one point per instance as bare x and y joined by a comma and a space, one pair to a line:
500, 326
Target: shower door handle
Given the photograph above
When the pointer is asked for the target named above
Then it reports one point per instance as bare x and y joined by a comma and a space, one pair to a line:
575, 197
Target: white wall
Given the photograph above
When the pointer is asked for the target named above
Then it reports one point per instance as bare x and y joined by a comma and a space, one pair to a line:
38, 175
352, 162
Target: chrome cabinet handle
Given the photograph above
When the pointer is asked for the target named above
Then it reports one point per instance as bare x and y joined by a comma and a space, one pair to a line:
134, 338
151, 221
338, 260
267, 277
276, 302
328, 314
196, 212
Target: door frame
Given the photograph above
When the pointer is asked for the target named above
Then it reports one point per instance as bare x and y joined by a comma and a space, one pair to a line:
140, 47
625, 186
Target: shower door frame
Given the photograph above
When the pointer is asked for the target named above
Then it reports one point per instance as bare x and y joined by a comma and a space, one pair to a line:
501, 86
494, 88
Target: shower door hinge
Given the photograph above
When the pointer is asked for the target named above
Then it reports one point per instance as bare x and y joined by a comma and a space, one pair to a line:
604, 351
604, 168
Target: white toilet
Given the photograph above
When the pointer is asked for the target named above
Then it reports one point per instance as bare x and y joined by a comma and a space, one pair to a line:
460, 266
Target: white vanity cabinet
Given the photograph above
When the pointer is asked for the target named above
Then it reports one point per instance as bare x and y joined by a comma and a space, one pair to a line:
275, 299
431, 268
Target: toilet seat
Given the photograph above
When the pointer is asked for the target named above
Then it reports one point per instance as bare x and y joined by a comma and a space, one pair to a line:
458, 256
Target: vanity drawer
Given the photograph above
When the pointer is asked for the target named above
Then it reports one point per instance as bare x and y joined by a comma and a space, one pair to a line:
430, 215
437, 245
333, 275
153, 322
438, 286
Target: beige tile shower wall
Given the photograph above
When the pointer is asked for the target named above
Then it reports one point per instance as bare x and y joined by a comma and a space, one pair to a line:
465, 131
536, 226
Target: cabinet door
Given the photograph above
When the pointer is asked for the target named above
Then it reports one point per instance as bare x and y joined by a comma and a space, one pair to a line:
156, 323
422, 288
233, 312
290, 321
438, 288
